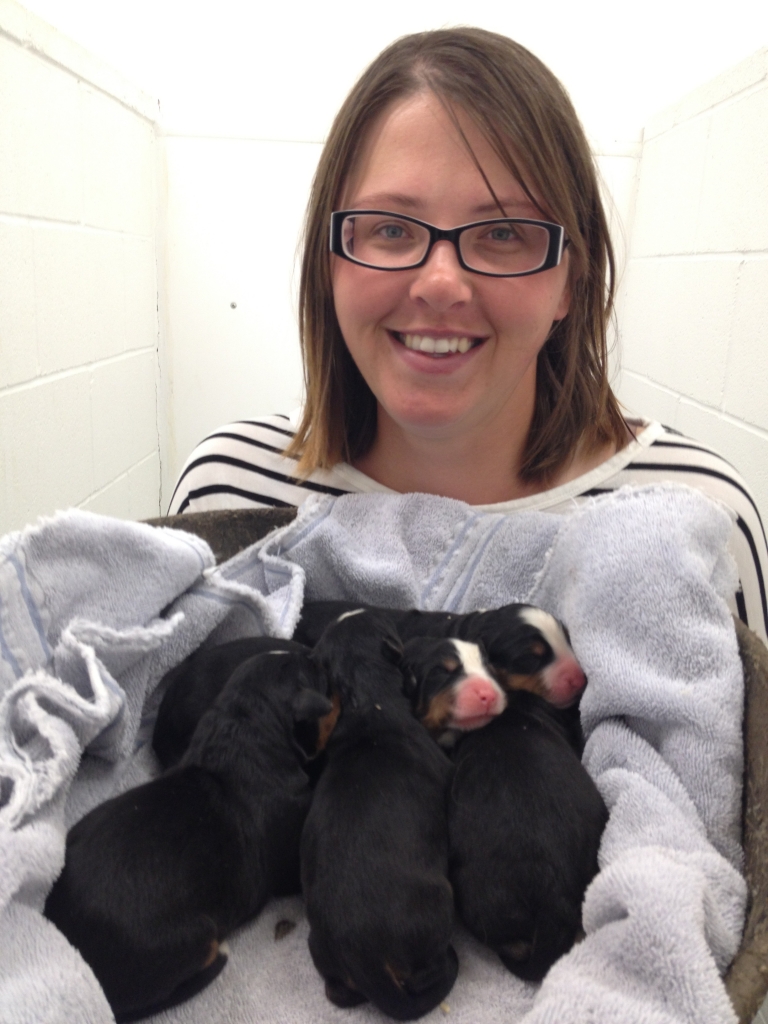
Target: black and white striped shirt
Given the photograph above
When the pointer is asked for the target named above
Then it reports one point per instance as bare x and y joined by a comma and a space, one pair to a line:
242, 465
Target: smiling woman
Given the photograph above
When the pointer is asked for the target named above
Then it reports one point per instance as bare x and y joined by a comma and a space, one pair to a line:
454, 331
452, 423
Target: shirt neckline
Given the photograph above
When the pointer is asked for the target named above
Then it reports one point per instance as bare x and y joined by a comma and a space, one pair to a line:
646, 432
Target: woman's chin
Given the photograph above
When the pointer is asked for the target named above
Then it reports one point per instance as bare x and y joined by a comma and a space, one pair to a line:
430, 424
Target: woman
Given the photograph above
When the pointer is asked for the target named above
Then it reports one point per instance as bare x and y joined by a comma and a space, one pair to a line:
468, 364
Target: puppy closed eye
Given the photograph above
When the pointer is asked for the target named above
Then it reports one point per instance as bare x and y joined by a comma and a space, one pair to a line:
531, 660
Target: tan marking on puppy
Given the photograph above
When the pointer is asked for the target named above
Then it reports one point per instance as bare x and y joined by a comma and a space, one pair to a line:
513, 681
440, 711
518, 950
394, 976
327, 723
212, 954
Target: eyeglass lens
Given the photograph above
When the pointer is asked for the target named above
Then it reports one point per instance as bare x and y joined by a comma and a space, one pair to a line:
386, 242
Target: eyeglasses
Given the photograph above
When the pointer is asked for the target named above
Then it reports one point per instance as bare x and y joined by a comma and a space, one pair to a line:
502, 247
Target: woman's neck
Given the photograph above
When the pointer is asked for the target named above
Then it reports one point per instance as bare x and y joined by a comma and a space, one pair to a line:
480, 469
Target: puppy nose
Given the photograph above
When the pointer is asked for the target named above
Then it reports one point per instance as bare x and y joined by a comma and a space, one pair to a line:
572, 676
566, 681
483, 692
477, 696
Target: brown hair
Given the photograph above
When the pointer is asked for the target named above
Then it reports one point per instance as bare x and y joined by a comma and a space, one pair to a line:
523, 111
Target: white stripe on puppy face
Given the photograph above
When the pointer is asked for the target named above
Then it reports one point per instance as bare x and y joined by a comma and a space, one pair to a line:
470, 657
563, 677
477, 696
549, 628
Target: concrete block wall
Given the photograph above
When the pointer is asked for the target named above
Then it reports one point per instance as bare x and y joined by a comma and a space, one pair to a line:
693, 307
100, 405
234, 218
78, 281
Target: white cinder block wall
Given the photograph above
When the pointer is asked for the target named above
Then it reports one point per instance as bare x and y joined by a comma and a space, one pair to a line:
693, 309
235, 209
91, 395
78, 292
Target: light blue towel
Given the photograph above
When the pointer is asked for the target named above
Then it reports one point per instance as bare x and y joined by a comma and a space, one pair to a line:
639, 577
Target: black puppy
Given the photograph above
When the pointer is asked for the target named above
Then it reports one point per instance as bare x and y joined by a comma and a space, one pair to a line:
193, 686
374, 847
525, 822
154, 879
450, 686
526, 647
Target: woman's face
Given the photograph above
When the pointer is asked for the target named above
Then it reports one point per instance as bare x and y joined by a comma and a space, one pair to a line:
414, 162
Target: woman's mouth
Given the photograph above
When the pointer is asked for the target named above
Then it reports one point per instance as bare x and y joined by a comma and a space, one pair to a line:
437, 347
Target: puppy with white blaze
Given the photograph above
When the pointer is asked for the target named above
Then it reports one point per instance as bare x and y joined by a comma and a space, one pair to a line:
452, 689
525, 819
524, 646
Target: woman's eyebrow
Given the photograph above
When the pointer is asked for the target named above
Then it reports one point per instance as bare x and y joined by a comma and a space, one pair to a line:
511, 206
386, 200
382, 200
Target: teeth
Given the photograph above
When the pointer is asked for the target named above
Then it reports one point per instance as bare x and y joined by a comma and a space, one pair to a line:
436, 346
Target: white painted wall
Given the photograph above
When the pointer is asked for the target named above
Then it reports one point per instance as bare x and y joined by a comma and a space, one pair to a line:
693, 312
78, 321
233, 226
247, 94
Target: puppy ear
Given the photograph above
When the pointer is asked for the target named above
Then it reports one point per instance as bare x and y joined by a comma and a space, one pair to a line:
314, 716
392, 648
410, 682
309, 705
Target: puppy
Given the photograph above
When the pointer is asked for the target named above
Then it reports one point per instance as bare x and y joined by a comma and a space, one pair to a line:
374, 846
525, 822
449, 686
526, 647
193, 686
154, 879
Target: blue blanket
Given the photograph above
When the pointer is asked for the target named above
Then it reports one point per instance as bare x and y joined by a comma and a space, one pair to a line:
94, 611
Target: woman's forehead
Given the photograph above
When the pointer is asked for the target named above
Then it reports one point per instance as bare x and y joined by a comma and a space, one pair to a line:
413, 157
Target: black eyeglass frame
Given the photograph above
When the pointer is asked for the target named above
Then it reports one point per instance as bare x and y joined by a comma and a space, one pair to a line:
557, 240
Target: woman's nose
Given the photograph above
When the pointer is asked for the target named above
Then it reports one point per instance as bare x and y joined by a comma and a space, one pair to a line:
442, 282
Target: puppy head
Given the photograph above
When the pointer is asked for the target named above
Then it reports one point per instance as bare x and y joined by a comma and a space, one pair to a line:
298, 690
449, 684
369, 629
364, 638
529, 649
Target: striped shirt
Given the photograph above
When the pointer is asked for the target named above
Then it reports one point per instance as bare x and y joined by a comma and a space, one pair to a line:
242, 465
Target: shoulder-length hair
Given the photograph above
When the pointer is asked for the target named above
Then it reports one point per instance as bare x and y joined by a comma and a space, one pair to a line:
527, 117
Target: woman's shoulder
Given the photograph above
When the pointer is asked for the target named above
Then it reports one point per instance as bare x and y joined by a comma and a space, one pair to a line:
661, 453
244, 465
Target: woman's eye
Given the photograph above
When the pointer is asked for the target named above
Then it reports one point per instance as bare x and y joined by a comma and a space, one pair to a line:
502, 234
392, 231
